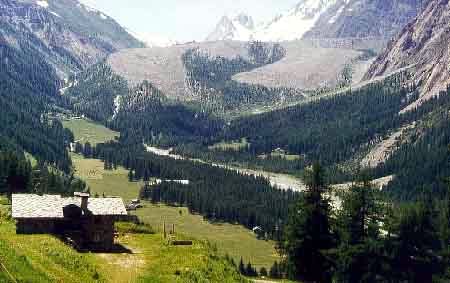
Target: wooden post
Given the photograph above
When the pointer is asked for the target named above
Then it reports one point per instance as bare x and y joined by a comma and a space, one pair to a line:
173, 229
164, 229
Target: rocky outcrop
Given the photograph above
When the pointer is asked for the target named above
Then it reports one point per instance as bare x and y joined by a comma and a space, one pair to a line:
69, 35
240, 27
423, 45
318, 19
366, 18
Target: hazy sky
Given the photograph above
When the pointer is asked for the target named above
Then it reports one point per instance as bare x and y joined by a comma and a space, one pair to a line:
184, 19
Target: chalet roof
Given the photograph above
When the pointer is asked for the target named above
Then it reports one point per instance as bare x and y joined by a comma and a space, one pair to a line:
51, 206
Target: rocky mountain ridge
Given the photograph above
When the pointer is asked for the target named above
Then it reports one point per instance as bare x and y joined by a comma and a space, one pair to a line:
68, 34
240, 27
326, 19
423, 47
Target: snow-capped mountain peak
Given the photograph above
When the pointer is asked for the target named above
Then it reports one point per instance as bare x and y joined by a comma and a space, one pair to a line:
238, 27
290, 25
294, 23
244, 20
310, 8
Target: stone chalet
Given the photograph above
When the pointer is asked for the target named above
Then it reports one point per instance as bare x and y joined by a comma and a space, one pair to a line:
87, 223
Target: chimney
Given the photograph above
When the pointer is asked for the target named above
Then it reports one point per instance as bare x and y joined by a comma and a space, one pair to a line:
84, 201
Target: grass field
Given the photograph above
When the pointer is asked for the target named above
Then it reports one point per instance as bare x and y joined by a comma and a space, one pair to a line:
87, 131
288, 157
44, 258
101, 181
230, 239
234, 145
234, 240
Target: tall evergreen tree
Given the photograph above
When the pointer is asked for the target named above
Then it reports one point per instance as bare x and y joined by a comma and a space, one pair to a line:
130, 176
308, 237
263, 272
414, 243
87, 150
275, 271
250, 271
242, 266
359, 255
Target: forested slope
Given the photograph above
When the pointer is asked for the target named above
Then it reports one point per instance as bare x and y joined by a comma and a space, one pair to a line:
28, 89
141, 113
337, 131
421, 163
68, 34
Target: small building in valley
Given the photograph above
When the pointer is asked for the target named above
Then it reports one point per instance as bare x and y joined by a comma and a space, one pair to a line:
86, 222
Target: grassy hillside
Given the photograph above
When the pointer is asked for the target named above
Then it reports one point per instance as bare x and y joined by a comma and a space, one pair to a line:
43, 258
100, 181
230, 239
87, 131
40, 258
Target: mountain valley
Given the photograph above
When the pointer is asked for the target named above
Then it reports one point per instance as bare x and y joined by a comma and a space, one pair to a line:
333, 115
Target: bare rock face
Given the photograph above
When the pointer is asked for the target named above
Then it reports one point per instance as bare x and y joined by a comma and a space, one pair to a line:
366, 18
313, 19
423, 46
69, 35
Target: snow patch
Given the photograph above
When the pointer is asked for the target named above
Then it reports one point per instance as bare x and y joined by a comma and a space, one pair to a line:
239, 26
291, 25
336, 16
296, 22
90, 9
87, 6
68, 84
63, 90
55, 14
43, 3
117, 104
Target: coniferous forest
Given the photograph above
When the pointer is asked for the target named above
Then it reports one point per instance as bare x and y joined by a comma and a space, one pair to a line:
216, 193
369, 239
28, 91
210, 78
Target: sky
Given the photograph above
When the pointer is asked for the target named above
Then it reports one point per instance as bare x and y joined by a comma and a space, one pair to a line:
184, 20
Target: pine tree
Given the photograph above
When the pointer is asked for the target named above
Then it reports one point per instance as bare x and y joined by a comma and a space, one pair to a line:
308, 235
414, 244
87, 150
275, 271
249, 271
444, 234
78, 148
130, 176
242, 267
263, 272
359, 255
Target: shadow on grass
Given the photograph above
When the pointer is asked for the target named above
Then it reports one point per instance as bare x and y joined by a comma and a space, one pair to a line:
81, 248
